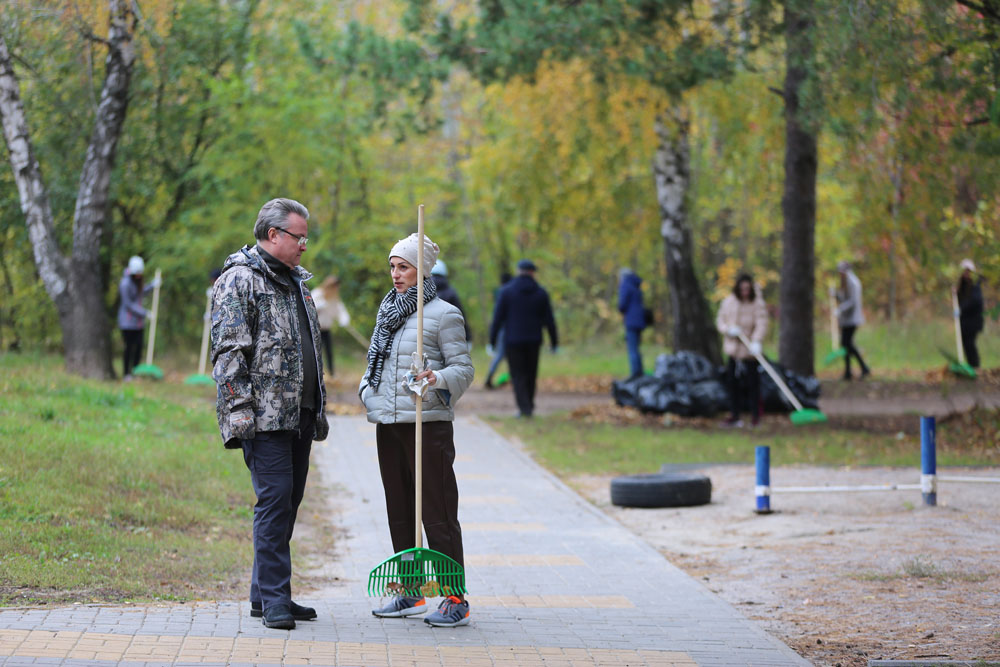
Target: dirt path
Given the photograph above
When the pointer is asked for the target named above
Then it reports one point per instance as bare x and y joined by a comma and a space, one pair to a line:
842, 578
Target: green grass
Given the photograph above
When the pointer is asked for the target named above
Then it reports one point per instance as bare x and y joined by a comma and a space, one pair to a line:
571, 447
112, 492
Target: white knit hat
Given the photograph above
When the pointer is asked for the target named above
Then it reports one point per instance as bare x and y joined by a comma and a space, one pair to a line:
968, 264
407, 249
135, 265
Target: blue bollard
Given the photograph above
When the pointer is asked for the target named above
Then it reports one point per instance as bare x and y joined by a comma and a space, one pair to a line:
928, 460
762, 456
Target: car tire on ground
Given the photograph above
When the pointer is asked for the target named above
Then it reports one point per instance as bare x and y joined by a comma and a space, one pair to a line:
675, 489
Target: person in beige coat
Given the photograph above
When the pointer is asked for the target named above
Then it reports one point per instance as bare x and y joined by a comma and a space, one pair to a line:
330, 310
744, 312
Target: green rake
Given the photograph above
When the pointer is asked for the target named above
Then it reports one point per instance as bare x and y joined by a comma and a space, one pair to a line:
958, 364
418, 571
149, 369
835, 352
802, 415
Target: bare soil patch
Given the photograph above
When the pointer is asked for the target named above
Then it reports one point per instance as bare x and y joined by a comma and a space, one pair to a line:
842, 578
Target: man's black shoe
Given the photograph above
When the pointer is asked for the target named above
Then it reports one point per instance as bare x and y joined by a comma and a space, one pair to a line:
280, 617
299, 613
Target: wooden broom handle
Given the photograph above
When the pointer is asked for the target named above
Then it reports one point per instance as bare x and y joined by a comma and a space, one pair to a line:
418, 399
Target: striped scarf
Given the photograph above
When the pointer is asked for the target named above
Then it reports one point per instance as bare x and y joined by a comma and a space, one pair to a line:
392, 313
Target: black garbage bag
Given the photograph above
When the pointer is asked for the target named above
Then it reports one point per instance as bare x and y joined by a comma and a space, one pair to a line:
665, 396
687, 384
806, 389
684, 367
625, 392
709, 397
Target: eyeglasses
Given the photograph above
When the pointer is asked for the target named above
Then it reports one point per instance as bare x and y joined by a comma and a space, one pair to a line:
302, 240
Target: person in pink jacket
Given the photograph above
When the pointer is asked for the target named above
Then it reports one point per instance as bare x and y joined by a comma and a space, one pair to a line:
744, 312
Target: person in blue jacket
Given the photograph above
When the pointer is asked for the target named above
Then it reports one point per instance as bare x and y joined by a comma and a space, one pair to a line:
522, 310
633, 311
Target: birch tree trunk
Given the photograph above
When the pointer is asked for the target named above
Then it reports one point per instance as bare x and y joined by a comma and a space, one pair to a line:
798, 203
74, 283
693, 328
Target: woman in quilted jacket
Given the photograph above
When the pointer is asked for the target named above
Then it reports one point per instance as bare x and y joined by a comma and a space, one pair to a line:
390, 405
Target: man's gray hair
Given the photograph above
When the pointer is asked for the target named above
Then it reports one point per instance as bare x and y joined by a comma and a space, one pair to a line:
275, 214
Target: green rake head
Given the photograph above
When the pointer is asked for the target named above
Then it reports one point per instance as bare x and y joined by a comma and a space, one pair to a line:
833, 355
417, 572
807, 416
962, 370
151, 371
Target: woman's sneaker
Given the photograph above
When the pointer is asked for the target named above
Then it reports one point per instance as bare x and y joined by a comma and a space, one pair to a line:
400, 606
451, 613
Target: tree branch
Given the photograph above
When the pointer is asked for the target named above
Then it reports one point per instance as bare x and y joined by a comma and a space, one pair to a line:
982, 7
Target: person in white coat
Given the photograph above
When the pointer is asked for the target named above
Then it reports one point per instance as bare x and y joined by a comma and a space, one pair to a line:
390, 405
850, 317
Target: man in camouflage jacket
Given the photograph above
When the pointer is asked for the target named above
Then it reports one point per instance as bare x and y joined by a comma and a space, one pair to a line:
271, 396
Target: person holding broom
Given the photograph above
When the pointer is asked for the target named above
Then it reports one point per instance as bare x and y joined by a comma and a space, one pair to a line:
743, 313
969, 294
390, 405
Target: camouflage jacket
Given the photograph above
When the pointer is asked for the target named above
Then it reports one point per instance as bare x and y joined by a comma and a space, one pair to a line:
256, 349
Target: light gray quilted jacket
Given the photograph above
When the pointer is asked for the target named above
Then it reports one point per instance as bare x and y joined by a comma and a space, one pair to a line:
448, 356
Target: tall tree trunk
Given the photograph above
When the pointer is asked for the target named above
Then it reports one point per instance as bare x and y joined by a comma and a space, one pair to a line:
693, 328
74, 284
798, 204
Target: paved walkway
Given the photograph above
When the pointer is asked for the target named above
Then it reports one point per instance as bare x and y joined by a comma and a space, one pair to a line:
555, 582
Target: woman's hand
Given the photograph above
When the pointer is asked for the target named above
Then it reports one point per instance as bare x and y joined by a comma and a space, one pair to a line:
429, 376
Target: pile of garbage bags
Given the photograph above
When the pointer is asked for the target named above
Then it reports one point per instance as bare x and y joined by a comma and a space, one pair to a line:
690, 385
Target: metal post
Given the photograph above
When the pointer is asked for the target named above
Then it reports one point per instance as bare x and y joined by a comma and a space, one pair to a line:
928, 460
763, 488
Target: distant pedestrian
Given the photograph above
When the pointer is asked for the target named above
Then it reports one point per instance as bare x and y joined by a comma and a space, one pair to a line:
330, 309
271, 396
497, 351
850, 316
448, 294
970, 310
743, 312
633, 311
131, 314
522, 311
391, 406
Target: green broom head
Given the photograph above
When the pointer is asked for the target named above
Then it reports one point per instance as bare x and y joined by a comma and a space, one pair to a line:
151, 371
808, 416
833, 355
199, 379
417, 572
963, 370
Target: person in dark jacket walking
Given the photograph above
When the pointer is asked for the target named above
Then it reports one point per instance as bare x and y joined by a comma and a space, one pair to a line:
448, 294
970, 310
271, 400
522, 311
633, 311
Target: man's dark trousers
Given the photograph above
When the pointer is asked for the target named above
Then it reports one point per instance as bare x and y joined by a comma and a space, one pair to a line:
522, 358
278, 462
